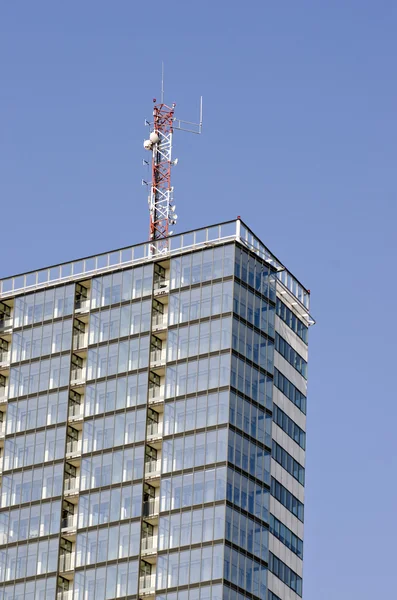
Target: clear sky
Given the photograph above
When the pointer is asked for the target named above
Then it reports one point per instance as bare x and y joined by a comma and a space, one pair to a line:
299, 139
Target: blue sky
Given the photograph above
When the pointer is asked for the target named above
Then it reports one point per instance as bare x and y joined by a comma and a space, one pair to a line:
299, 139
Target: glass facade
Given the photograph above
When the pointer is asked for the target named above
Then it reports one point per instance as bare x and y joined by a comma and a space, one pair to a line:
152, 425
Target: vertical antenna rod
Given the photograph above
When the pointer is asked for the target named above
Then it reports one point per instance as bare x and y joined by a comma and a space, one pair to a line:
162, 83
161, 202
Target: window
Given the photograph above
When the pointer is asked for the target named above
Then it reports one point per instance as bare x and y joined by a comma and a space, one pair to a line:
248, 534
121, 321
33, 342
111, 581
291, 355
36, 588
252, 382
202, 338
286, 536
31, 484
192, 527
41, 306
288, 463
290, 391
31, 448
114, 430
206, 592
289, 426
98, 545
194, 450
39, 376
26, 560
248, 574
292, 320
125, 285
200, 302
111, 467
173, 569
248, 456
254, 308
251, 419
127, 355
283, 572
287, 499
248, 495
198, 375
30, 522
113, 394
201, 266
256, 274
115, 504
195, 413
39, 411
252, 345
199, 487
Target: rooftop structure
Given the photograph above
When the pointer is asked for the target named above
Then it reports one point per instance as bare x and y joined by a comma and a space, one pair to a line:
152, 423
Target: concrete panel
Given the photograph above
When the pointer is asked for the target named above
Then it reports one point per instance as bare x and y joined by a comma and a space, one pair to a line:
280, 589
289, 482
290, 373
291, 337
287, 556
288, 444
289, 408
287, 518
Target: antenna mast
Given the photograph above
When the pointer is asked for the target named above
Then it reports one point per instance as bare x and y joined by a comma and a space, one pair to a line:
161, 201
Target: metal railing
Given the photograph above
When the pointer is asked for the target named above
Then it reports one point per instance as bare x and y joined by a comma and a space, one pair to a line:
65, 595
122, 258
69, 522
147, 583
73, 447
75, 411
3, 393
159, 319
77, 375
80, 340
149, 544
5, 323
154, 429
82, 304
161, 284
153, 467
71, 485
5, 357
66, 562
205, 237
151, 507
156, 392
158, 356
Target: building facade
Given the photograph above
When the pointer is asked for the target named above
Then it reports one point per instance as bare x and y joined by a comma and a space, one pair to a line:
152, 434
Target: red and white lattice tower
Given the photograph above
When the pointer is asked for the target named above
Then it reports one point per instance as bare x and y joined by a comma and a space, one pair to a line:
161, 203
161, 206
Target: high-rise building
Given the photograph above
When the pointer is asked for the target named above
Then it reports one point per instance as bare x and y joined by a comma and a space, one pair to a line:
152, 406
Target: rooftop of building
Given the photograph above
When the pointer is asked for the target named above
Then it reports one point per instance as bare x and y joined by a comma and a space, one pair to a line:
142, 253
